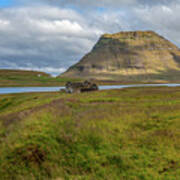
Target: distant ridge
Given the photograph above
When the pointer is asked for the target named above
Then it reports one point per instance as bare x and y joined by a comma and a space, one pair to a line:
130, 56
26, 78
22, 72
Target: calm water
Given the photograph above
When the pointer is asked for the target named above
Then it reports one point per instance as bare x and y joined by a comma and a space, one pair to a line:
10, 90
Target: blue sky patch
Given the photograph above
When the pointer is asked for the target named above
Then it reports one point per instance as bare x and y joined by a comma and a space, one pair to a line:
5, 3
101, 9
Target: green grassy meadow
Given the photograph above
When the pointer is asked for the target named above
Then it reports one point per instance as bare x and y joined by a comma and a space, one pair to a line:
20, 78
128, 134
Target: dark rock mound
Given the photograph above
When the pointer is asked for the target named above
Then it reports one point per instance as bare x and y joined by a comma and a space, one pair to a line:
79, 87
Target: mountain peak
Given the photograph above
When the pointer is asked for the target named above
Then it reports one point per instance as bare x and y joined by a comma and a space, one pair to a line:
129, 55
130, 34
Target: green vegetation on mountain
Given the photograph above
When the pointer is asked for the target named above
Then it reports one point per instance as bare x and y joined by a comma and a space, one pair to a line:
140, 56
13, 78
129, 134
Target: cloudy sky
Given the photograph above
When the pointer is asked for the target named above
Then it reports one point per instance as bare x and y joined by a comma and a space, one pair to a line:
51, 35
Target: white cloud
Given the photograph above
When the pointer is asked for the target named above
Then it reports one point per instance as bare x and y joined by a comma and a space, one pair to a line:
4, 23
64, 26
167, 9
163, 19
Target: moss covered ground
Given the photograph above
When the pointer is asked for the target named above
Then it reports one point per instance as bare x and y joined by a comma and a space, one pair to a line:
128, 134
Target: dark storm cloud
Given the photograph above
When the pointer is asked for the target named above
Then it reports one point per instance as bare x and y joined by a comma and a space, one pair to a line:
51, 35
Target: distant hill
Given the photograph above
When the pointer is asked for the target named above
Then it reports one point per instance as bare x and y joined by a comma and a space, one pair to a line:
11, 72
130, 56
28, 78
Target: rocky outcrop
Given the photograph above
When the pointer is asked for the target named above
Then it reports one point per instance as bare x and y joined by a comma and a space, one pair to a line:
129, 56
78, 87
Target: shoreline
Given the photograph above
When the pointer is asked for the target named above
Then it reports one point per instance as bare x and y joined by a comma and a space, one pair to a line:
95, 81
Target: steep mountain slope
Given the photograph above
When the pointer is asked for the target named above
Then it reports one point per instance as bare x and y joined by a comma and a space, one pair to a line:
130, 56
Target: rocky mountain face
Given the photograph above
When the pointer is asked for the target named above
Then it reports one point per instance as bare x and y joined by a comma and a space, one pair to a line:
130, 56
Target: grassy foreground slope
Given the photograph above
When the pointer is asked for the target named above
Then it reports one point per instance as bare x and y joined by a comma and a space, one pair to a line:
13, 78
131, 134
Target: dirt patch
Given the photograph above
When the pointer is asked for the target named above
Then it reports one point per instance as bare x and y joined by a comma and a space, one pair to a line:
172, 165
31, 154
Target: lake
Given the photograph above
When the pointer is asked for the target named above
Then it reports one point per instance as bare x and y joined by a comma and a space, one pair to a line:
10, 90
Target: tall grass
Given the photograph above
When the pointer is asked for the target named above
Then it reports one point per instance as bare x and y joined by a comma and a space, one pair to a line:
118, 134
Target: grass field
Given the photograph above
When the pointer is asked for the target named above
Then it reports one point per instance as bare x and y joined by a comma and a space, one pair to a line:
129, 134
15, 78
20, 78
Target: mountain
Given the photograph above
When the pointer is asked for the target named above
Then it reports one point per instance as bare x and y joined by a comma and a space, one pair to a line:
130, 56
